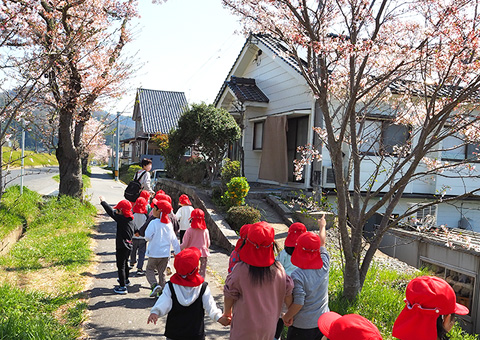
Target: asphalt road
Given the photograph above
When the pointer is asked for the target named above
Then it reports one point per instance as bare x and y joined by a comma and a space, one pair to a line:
38, 179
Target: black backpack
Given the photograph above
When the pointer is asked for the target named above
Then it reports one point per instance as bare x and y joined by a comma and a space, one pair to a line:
134, 188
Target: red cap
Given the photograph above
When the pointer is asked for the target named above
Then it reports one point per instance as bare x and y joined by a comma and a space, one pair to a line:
160, 192
243, 235
140, 206
426, 298
125, 207
154, 202
350, 326
307, 252
258, 248
295, 230
166, 208
163, 197
186, 267
184, 200
197, 219
145, 194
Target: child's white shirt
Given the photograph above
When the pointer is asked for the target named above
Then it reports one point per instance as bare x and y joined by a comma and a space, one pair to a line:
186, 296
161, 237
183, 216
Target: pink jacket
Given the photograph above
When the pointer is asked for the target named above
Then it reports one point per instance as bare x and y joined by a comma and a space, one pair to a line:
199, 238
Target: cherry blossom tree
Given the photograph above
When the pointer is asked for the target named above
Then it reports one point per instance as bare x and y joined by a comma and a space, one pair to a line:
414, 67
82, 41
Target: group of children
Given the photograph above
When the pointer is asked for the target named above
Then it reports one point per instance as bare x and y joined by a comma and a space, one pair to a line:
151, 229
261, 293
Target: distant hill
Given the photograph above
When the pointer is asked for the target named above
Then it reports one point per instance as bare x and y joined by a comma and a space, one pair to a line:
127, 126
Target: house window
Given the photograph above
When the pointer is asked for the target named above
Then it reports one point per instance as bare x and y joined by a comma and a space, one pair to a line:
382, 136
258, 136
455, 149
462, 284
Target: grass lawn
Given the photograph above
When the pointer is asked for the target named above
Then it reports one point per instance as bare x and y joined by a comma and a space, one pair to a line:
43, 276
12, 158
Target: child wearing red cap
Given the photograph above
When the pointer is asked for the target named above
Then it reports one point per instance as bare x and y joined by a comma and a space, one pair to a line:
235, 255
139, 242
429, 312
185, 299
310, 292
198, 236
183, 214
285, 259
350, 326
257, 287
160, 237
123, 215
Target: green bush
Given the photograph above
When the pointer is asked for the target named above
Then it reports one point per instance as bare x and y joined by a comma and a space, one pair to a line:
192, 171
126, 172
229, 170
217, 193
239, 215
237, 190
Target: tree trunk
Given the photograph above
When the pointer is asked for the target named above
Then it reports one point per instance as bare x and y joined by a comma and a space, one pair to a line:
351, 280
84, 164
68, 157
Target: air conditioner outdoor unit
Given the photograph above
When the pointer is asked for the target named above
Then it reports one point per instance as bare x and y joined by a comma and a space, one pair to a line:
328, 177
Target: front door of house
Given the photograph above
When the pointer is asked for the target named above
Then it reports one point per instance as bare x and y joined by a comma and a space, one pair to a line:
296, 136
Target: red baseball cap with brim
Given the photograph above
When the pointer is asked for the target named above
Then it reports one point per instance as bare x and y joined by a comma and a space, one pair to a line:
163, 197
350, 326
243, 235
306, 254
125, 207
186, 267
140, 206
258, 248
295, 230
426, 298
145, 194
184, 200
166, 208
197, 219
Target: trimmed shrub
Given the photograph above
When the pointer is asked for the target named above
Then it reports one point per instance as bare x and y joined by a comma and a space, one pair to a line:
237, 190
240, 215
217, 193
229, 170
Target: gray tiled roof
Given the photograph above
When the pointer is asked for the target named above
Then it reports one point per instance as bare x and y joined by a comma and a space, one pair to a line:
246, 90
159, 110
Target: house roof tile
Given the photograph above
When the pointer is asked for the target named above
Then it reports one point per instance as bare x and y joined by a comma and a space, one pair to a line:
159, 110
246, 90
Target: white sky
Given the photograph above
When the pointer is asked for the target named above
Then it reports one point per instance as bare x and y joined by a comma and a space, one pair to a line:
184, 45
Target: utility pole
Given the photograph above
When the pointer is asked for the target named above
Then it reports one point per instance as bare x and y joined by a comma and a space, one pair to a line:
117, 148
22, 169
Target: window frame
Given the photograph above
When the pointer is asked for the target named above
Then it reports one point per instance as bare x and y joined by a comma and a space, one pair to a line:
466, 152
380, 138
254, 144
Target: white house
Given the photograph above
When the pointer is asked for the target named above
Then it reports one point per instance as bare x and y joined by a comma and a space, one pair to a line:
265, 88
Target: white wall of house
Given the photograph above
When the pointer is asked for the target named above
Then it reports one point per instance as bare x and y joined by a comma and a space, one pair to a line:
286, 91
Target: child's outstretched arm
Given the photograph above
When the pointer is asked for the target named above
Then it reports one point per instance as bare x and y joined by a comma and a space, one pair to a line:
322, 232
108, 208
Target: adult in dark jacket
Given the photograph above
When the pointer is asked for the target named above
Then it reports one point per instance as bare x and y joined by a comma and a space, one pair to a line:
123, 215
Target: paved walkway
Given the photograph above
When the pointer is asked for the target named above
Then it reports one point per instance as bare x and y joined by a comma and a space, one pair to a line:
116, 316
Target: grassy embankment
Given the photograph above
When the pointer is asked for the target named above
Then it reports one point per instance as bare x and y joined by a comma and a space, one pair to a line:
43, 276
12, 158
